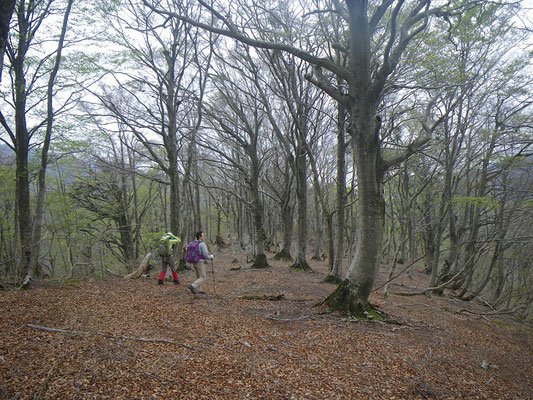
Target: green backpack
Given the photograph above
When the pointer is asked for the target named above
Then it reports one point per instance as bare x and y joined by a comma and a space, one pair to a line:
163, 247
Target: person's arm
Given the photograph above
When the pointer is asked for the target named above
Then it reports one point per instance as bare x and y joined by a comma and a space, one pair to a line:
172, 242
173, 239
203, 251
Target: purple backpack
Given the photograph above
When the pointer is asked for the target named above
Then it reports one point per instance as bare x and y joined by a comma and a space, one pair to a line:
193, 252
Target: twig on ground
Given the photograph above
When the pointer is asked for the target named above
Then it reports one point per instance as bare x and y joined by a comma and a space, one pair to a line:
110, 335
287, 319
41, 394
157, 377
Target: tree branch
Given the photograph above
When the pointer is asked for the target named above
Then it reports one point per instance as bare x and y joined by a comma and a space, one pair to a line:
233, 33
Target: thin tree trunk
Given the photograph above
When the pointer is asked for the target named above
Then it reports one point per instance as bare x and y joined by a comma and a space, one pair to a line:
287, 216
22, 188
258, 216
336, 271
319, 230
300, 262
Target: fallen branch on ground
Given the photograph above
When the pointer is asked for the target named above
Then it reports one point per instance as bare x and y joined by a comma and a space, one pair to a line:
45, 384
110, 335
142, 269
496, 312
431, 289
287, 319
265, 297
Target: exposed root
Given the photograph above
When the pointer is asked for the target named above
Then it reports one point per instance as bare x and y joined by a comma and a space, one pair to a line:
347, 301
301, 266
332, 279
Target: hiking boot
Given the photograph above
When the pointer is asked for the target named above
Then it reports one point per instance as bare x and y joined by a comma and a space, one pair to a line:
176, 282
192, 289
160, 282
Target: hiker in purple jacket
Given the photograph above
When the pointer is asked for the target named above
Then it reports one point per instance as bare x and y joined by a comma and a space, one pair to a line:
199, 267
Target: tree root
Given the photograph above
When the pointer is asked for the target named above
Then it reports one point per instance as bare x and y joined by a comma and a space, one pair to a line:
260, 262
332, 279
301, 266
347, 302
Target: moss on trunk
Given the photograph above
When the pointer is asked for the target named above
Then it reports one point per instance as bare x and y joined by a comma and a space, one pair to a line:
332, 279
346, 301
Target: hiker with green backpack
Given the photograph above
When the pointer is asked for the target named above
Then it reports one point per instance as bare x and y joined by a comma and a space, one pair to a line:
165, 250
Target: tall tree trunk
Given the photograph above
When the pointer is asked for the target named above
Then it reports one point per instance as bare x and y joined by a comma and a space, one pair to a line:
300, 262
351, 297
319, 230
137, 230
258, 216
287, 216
22, 188
335, 273
174, 200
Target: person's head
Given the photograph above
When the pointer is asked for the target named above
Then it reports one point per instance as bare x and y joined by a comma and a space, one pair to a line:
200, 235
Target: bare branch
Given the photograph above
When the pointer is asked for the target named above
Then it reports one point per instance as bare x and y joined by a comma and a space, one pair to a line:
233, 33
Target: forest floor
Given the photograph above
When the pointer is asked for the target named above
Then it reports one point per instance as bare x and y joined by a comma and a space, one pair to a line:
255, 335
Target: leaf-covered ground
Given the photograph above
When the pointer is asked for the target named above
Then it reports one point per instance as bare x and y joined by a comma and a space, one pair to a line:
254, 335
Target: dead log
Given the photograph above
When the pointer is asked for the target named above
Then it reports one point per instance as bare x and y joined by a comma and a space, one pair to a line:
143, 268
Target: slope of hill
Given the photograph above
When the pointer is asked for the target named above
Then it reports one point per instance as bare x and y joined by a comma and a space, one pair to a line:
255, 334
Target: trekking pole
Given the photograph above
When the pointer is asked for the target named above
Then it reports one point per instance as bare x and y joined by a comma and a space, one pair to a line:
213, 271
